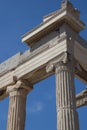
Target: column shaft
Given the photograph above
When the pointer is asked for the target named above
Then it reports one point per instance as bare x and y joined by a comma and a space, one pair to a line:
17, 110
65, 97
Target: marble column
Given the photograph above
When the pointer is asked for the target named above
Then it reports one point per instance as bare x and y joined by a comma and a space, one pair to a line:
17, 106
67, 117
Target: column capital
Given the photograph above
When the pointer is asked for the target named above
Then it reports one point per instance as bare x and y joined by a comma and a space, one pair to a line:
60, 60
17, 105
21, 85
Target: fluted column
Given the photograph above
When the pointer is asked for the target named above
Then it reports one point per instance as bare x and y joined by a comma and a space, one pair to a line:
67, 117
17, 106
64, 69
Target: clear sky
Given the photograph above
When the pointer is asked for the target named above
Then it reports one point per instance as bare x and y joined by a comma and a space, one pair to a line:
16, 18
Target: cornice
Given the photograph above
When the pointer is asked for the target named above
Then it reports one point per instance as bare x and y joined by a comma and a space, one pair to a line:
60, 17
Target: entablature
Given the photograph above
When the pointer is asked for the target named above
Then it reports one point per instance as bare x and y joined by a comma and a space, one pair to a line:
81, 99
31, 64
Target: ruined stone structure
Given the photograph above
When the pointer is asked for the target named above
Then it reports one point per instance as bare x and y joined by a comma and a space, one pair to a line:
55, 48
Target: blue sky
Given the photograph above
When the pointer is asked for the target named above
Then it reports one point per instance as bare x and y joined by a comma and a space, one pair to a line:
16, 18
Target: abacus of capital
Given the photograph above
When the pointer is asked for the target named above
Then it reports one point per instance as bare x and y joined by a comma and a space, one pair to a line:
55, 48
